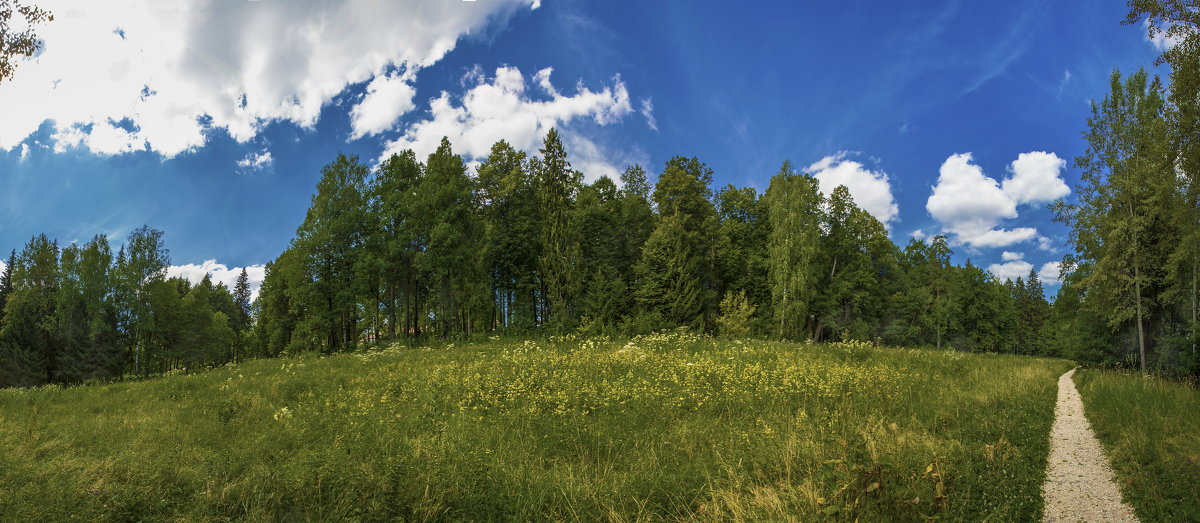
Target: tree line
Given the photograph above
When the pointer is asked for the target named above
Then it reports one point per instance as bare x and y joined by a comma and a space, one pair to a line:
78, 313
412, 250
1130, 289
416, 249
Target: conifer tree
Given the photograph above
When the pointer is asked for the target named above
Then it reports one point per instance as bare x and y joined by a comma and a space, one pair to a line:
241, 320
28, 335
557, 184
6, 281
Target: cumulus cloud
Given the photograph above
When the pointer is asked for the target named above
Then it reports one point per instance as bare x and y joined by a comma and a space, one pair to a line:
919, 235
971, 205
505, 107
1036, 178
220, 273
1050, 273
1010, 270
871, 190
388, 98
1011, 256
133, 75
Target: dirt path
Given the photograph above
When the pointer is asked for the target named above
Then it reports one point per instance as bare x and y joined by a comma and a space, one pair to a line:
1079, 481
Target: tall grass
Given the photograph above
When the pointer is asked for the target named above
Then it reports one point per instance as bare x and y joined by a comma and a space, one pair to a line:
1150, 428
665, 426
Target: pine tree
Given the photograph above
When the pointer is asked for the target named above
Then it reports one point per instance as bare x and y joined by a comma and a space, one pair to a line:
636, 221
6, 281
669, 288
28, 335
241, 321
736, 313
557, 184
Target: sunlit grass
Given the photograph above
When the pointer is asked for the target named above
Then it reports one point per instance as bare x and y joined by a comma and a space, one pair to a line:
1150, 428
670, 426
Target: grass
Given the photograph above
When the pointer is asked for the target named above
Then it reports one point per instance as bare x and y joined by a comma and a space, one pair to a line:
1151, 430
670, 426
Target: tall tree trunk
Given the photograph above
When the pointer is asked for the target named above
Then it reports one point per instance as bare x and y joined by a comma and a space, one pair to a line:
392, 310
1137, 285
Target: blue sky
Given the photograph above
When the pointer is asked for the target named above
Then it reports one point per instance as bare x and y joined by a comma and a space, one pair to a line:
210, 121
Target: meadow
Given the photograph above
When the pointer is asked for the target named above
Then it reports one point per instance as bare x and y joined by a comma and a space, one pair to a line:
666, 426
1151, 433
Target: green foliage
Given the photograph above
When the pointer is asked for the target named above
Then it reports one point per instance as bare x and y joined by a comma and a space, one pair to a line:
736, 311
332, 238
793, 207
16, 45
556, 187
667, 275
1122, 224
28, 336
413, 250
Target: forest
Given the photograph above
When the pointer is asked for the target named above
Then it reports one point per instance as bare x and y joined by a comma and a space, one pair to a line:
519, 244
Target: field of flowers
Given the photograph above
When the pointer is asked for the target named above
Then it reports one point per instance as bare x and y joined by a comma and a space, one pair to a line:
672, 425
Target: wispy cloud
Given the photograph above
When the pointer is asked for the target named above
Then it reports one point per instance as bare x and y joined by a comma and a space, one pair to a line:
648, 113
1014, 44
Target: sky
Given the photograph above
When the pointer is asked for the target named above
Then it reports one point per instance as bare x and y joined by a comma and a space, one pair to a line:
211, 120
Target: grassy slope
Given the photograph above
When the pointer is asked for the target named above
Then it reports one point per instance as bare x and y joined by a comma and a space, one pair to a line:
667, 426
1151, 430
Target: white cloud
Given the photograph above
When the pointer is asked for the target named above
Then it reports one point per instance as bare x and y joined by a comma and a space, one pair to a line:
1066, 79
130, 75
1050, 273
388, 98
1160, 40
220, 273
1036, 178
256, 161
648, 113
871, 190
506, 108
1010, 270
1012, 256
919, 235
971, 205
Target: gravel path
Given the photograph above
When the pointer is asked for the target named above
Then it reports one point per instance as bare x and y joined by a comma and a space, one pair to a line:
1079, 481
